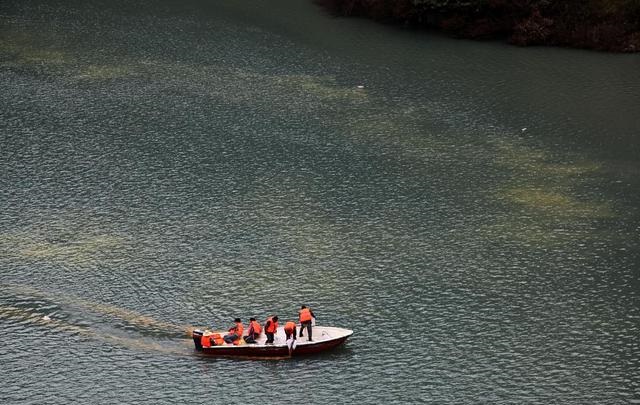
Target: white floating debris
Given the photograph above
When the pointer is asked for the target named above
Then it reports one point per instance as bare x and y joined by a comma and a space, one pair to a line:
46, 318
524, 129
360, 86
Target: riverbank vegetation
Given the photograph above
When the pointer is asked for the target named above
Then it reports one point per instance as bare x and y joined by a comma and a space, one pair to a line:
608, 25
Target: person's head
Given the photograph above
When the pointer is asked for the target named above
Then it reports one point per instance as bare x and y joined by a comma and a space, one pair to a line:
252, 319
237, 320
275, 318
303, 307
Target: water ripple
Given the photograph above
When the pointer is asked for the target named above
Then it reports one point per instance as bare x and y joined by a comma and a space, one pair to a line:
176, 166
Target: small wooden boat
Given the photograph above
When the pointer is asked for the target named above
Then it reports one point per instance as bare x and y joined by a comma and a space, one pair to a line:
324, 338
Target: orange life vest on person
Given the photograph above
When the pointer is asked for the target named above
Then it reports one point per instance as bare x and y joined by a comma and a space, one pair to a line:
272, 327
289, 327
238, 329
305, 315
257, 329
205, 341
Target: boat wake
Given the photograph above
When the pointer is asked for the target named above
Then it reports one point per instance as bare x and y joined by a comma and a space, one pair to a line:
26, 307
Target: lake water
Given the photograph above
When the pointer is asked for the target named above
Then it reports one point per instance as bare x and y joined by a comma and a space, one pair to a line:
471, 210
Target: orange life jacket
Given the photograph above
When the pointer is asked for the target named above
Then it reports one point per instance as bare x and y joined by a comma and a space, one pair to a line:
238, 329
305, 315
289, 327
205, 341
217, 339
257, 329
271, 327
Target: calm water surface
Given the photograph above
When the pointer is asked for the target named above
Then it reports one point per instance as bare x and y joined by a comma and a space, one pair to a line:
470, 210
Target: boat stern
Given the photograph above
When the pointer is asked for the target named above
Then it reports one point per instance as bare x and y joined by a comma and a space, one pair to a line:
197, 338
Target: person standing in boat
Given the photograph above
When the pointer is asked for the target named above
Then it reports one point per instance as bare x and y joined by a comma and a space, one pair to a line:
306, 315
254, 331
270, 328
235, 332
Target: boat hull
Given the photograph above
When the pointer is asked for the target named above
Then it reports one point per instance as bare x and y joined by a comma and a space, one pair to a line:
278, 350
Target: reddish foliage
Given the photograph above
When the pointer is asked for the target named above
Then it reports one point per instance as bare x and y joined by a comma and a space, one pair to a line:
577, 23
533, 30
633, 43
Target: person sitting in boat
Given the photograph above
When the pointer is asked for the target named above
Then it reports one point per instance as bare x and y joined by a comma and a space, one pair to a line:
290, 330
254, 331
235, 332
305, 316
270, 328
205, 339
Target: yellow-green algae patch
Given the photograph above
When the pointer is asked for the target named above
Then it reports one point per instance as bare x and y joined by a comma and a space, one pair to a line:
396, 128
556, 203
548, 232
322, 87
518, 156
573, 169
78, 251
544, 186
536, 162
533, 232
42, 56
544, 207
22, 49
105, 72
88, 245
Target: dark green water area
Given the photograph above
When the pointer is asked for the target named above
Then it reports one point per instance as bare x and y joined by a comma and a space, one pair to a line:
470, 209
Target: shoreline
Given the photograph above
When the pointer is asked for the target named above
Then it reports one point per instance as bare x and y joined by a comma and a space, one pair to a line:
601, 25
